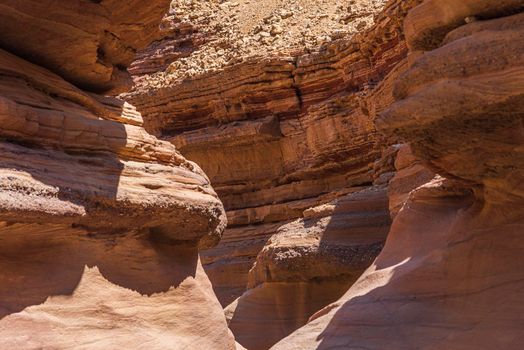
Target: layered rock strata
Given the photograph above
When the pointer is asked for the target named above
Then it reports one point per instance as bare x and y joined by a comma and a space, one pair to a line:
450, 275
100, 222
307, 264
286, 141
179, 39
278, 136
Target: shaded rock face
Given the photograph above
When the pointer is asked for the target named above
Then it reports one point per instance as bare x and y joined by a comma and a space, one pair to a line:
100, 222
178, 39
71, 289
450, 275
307, 264
289, 144
410, 174
89, 43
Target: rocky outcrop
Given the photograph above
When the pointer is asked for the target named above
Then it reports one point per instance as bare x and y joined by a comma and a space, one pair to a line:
100, 222
307, 264
127, 173
207, 36
179, 39
450, 274
279, 136
89, 43
288, 143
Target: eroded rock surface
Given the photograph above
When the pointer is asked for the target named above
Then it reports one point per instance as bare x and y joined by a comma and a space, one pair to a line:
450, 275
307, 264
303, 139
87, 42
76, 289
100, 222
287, 140
206, 36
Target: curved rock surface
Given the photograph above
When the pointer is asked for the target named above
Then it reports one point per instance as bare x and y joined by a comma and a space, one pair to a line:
410, 174
450, 275
88, 42
279, 135
288, 143
75, 289
64, 134
308, 264
100, 222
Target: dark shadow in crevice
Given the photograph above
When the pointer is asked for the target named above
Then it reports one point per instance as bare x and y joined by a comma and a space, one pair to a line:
310, 278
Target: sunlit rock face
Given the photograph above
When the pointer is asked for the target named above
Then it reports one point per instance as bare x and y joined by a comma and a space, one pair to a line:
65, 288
418, 118
290, 146
450, 275
100, 222
308, 264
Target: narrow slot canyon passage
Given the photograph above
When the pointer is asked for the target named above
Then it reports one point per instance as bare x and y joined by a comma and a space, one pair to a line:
301, 174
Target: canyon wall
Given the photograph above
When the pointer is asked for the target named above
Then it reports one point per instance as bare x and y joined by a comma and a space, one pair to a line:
450, 274
372, 188
100, 222
290, 147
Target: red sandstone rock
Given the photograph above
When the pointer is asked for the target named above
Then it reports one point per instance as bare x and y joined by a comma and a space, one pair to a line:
64, 134
410, 174
279, 135
450, 275
117, 216
281, 139
179, 39
308, 264
74, 288
89, 43
100, 222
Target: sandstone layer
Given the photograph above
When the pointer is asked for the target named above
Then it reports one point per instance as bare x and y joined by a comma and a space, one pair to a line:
307, 264
100, 222
88, 42
288, 142
450, 274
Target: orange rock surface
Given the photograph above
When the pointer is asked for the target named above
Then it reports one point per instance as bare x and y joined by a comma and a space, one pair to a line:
87, 42
100, 222
371, 180
286, 141
308, 264
450, 274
